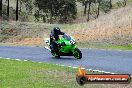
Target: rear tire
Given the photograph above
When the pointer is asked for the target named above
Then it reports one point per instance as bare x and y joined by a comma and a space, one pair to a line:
77, 53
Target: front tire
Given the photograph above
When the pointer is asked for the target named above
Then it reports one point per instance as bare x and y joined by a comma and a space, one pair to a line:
77, 53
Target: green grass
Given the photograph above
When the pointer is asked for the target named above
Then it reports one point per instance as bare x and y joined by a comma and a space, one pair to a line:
105, 46
15, 74
20, 74
121, 47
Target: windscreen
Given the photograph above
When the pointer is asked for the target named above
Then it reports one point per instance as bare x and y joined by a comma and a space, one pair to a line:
67, 37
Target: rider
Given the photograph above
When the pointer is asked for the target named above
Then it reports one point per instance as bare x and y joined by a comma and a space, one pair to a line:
54, 36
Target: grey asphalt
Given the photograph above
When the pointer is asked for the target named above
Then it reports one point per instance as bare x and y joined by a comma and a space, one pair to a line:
107, 60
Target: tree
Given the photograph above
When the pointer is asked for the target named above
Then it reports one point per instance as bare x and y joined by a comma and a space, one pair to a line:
98, 8
0, 8
110, 7
51, 10
45, 6
85, 7
8, 8
89, 7
95, 8
88, 4
85, 4
36, 15
105, 6
68, 10
125, 1
28, 5
20, 6
62, 10
17, 10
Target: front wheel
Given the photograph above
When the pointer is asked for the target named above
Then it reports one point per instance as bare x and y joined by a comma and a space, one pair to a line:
77, 53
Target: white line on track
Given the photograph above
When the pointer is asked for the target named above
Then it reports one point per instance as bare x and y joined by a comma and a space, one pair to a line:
74, 67
7, 58
102, 71
62, 65
69, 66
107, 72
18, 59
25, 60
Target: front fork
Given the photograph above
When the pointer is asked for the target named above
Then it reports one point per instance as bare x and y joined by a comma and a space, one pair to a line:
73, 48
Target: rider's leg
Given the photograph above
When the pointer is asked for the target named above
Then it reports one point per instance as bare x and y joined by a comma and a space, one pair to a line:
54, 47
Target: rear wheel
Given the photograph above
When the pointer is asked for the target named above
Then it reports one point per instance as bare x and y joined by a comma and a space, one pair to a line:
55, 54
77, 53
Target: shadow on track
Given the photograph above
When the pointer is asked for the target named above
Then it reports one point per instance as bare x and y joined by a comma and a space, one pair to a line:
64, 58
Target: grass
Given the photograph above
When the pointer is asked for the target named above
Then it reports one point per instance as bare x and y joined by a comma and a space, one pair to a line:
20, 74
16, 74
105, 46
121, 47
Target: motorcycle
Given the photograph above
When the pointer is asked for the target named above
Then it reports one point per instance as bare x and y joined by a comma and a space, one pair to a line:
68, 47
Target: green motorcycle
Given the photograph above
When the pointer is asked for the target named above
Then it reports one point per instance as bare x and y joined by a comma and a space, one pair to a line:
69, 47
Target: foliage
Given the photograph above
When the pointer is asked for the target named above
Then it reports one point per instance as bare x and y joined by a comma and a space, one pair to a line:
105, 6
28, 5
0, 8
121, 3
57, 10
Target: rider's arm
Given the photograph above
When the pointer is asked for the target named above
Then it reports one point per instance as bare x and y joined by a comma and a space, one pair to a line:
62, 33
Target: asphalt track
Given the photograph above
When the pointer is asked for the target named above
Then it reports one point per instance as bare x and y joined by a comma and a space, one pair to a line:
107, 60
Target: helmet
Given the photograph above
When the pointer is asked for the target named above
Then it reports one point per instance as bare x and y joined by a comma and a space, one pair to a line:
56, 30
